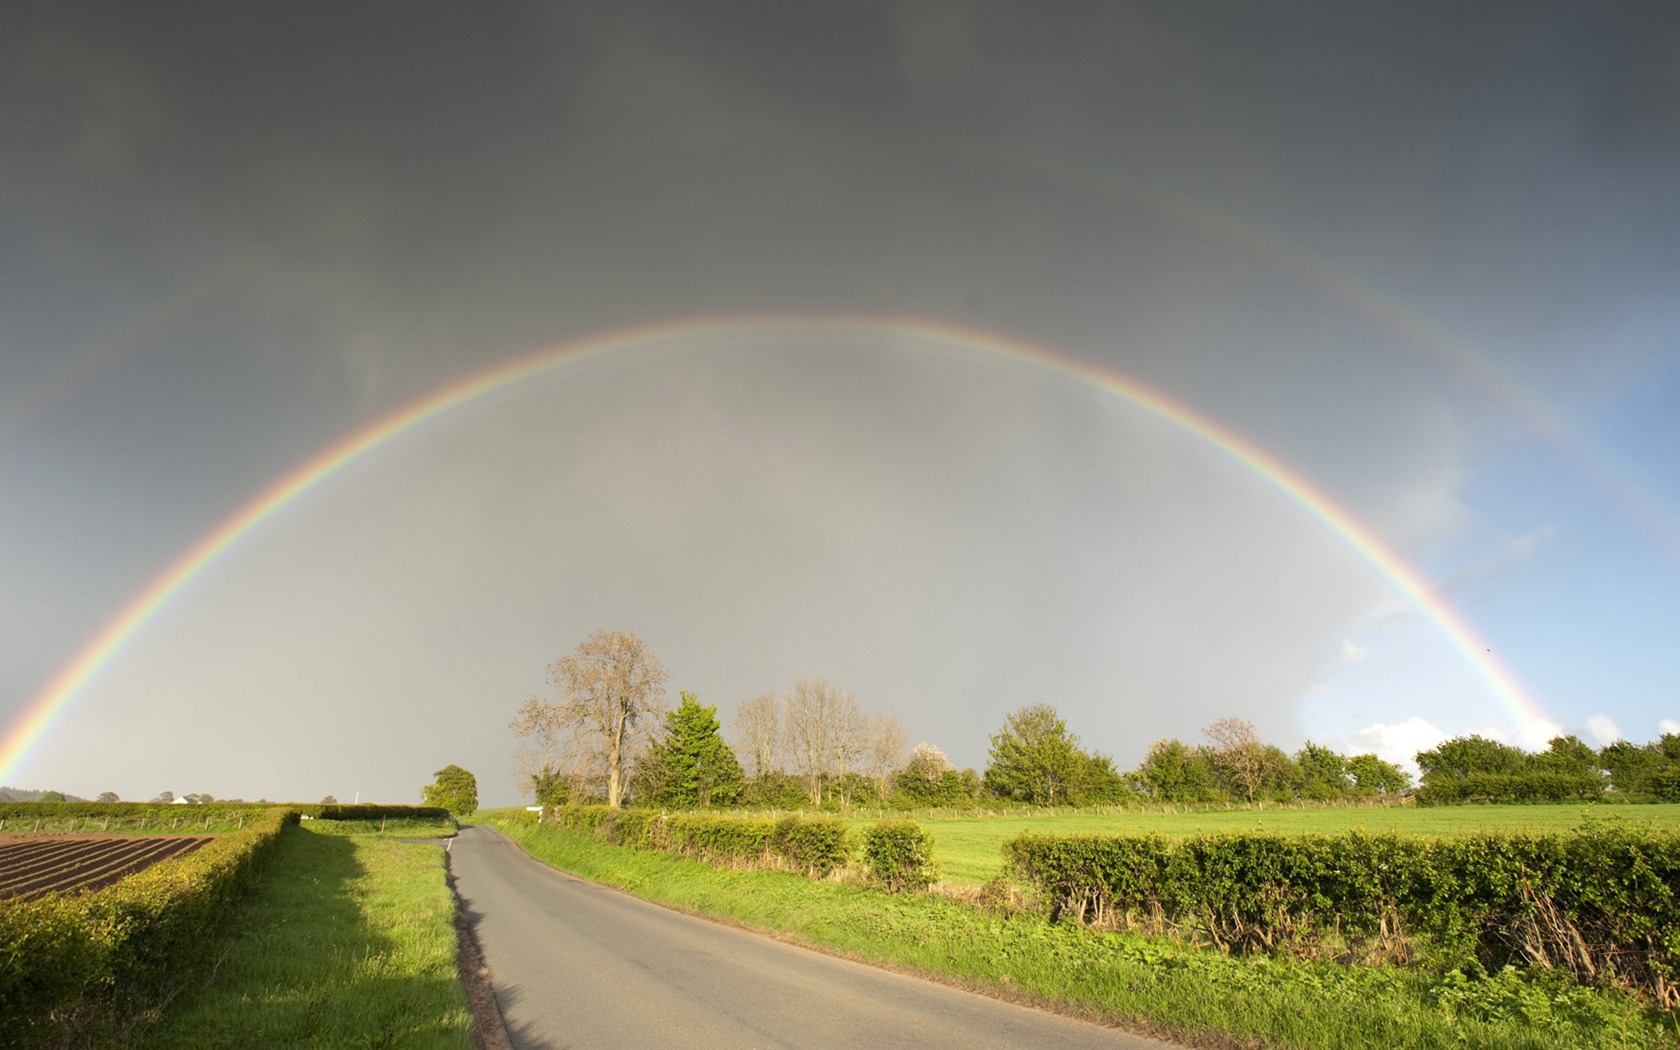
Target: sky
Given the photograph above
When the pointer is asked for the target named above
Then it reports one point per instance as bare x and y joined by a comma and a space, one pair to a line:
1316, 365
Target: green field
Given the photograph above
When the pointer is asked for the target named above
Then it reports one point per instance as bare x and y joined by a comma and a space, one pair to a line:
968, 848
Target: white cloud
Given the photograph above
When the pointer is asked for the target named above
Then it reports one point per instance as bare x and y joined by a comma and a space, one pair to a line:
1668, 725
1536, 734
1398, 742
1602, 730
1351, 653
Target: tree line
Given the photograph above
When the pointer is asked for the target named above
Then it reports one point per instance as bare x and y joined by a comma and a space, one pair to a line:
610, 737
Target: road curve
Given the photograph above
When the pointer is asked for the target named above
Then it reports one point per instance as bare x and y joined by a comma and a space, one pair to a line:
579, 965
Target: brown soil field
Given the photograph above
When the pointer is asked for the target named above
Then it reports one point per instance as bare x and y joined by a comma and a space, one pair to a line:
35, 865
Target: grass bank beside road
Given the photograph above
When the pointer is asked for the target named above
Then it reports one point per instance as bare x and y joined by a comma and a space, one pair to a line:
349, 941
1149, 984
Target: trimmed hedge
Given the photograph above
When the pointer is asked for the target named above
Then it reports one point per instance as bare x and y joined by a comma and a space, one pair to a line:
1602, 904
73, 966
813, 845
373, 811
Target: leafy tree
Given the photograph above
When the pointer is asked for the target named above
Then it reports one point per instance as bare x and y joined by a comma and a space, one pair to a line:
108, 796
690, 765
1462, 756
1631, 766
1372, 776
164, 796
550, 787
1034, 757
455, 789
1097, 782
328, 800
1176, 772
1324, 773
51, 796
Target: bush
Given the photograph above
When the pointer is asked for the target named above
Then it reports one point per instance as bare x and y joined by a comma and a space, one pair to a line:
1602, 905
899, 855
72, 967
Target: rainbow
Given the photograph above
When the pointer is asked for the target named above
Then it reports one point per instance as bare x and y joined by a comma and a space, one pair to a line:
58, 696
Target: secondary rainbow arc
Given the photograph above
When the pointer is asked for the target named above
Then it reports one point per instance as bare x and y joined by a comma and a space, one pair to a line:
58, 696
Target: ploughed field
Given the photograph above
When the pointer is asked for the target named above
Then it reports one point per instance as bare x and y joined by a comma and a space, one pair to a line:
32, 866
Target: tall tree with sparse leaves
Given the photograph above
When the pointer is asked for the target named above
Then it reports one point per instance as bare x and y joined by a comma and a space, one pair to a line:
609, 689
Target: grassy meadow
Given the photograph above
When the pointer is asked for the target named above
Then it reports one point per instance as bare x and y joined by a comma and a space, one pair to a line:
349, 941
1148, 984
967, 847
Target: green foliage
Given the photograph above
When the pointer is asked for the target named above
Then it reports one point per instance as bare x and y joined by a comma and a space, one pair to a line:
1650, 770
1175, 772
72, 967
1372, 777
899, 855
775, 790
375, 811
455, 789
690, 765
813, 845
148, 817
1034, 758
1601, 904
1472, 769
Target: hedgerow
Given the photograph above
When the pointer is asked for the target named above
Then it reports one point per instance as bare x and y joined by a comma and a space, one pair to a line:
813, 845
373, 811
1600, 904
75, 966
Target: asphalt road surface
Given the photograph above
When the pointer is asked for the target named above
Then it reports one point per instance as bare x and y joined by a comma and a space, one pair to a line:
579, 965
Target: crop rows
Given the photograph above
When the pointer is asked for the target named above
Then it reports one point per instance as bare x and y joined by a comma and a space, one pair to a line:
34, 867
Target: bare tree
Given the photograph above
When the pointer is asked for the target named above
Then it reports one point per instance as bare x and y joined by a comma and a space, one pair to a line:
884, 742
758, 727
606, 689
551, 754
821, 731
1238, 753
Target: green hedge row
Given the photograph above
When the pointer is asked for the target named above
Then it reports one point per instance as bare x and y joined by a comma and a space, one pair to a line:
74, 966
1602, 904
373, 811
813, 845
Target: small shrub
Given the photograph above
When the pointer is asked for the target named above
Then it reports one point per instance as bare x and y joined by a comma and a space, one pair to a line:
899, 855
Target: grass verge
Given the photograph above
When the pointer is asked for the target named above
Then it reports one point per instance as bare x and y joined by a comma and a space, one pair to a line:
347, 942
1148, 984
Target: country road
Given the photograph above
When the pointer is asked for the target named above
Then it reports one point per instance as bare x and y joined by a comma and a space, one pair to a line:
579, 965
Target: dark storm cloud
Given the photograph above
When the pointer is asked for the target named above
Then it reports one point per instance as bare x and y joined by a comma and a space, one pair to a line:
231, 234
